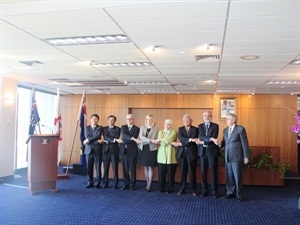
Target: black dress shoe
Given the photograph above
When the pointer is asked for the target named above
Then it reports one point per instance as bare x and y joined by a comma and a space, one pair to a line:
194, 193
105, 186
125, 188
240, 199
181, 192
89, 186
132, 188
203, 194
161, 191
228, 196
216, 195
169, 192
115, 187
97, 186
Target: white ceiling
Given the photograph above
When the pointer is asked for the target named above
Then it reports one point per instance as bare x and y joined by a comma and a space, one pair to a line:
268, 29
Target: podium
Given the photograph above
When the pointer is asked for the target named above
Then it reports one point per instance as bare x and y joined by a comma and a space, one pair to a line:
42, 162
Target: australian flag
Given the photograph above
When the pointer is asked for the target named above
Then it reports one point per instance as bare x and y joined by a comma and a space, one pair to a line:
83, 123
34, 115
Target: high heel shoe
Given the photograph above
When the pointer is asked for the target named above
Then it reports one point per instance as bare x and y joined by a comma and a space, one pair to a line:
146, 188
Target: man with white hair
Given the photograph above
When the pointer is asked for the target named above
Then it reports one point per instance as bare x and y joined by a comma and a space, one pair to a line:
187, 154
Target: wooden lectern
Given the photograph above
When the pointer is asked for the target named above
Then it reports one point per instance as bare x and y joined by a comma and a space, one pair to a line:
42, 162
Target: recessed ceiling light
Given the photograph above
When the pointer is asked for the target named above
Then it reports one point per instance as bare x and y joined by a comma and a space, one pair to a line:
206, 46
182, 52
295, 62
249, 57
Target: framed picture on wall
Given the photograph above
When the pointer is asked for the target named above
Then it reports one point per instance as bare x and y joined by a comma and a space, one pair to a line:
227, 105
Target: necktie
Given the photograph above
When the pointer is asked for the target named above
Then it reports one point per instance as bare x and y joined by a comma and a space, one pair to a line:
206, 130
187, 130
229, 132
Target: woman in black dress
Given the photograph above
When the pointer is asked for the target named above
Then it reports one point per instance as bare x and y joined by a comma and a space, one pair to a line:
148, 146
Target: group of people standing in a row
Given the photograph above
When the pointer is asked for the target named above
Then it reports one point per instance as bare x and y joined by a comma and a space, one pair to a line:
162, 149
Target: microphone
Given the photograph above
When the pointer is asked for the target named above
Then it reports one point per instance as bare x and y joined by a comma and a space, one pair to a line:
47, 127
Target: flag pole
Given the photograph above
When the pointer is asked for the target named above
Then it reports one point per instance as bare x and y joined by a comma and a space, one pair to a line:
78, 118
59, 176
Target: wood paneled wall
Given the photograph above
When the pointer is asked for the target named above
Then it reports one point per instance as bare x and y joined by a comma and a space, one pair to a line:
267, 118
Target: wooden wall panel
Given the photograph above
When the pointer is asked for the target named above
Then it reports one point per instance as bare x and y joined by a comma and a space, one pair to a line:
198, 101
267, 118
283, 101
254, 101
116, 101
96, 101
169, 101
141, 101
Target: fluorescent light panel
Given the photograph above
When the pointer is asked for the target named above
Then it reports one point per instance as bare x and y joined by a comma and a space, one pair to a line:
148, 83
284, 82
87, 40
236, 91
153, 91
131, 64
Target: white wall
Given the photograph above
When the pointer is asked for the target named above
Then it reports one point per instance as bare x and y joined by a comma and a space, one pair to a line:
7, 126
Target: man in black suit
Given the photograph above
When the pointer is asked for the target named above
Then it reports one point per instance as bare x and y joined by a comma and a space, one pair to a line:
236, 154
111, 150
93, 150
187, 154
208, 152
129, 152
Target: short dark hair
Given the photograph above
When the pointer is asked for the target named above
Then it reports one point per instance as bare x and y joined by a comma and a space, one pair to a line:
96, 115
113, 117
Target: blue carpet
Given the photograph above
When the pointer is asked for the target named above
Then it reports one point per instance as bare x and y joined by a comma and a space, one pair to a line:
73, 204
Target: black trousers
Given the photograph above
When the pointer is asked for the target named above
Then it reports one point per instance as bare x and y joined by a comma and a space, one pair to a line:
129, 165
108, 158
212, 162
166, 170
187, 165
92, 159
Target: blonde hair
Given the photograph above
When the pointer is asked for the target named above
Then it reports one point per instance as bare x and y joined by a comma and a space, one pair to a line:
152, 117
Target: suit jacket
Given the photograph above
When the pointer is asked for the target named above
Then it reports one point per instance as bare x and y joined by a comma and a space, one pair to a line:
236, 147
189, 147
212, 150
146, 140
109, 135
129, 147
93, 135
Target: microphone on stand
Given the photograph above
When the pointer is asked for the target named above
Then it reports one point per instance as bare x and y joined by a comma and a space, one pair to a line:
47, 127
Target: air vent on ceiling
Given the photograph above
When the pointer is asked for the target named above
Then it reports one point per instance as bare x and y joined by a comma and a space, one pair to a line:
207, 57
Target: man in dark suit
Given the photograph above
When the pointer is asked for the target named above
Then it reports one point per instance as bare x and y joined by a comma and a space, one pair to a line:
93, 150
111, 150
129, 152
236, 154
208, 152
187, 154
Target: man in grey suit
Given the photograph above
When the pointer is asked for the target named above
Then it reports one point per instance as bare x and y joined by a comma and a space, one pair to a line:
111, 150
236, 154
93, 150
